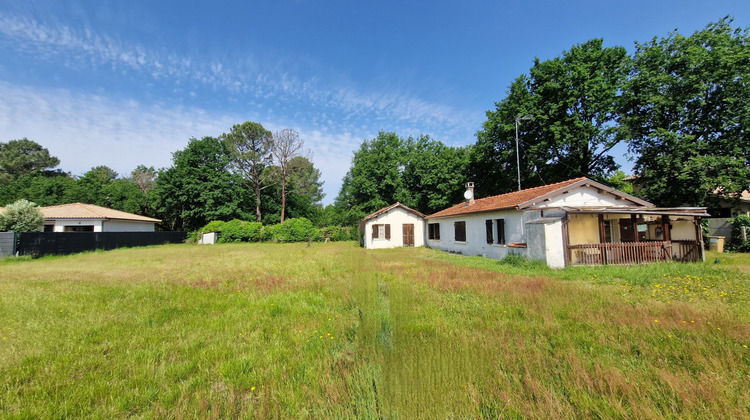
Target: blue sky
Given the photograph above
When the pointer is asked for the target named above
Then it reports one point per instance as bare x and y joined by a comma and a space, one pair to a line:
123, 83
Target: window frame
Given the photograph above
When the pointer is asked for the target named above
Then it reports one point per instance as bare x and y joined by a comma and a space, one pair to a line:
459, 227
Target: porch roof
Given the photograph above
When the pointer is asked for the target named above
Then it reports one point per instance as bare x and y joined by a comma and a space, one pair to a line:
653, 211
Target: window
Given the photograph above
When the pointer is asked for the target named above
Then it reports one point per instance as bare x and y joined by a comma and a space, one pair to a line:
460, 228
381, 231
500, 227
83, 228
433, 231
488, 230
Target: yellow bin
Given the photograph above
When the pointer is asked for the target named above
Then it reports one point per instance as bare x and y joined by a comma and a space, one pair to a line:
716, 243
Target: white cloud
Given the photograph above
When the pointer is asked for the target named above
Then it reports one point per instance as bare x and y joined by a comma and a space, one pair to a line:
90, 130
85, 47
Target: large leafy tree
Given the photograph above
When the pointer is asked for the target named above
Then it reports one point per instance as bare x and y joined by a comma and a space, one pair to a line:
567, 111
250, 149
688, 114
22, 158
199, 187
421, 173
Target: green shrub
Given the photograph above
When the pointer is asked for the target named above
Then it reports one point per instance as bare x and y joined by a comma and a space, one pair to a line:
266, 234
738, 241
295, 230
240, 231
22, 216
213, 226
336, 233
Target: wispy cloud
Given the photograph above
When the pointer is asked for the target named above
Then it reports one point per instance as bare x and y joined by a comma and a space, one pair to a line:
80, 47
90, 130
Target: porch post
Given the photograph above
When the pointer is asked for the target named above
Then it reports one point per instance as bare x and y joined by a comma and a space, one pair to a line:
603, 238
667, 235
634, 222
699, 237
665, 228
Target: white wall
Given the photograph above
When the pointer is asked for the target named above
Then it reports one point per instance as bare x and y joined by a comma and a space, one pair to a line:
104, 226
127, 226
585, 197
396, 217
60, 224
683, 230
476, 237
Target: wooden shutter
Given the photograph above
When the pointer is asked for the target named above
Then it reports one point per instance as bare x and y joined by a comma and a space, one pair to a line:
500, 231
437, 231
374, 231
388, 231
488, 229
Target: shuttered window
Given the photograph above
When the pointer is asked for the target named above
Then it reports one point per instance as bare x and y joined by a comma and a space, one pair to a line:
500, 227
381, 231
460, 231
488, 230
433, 231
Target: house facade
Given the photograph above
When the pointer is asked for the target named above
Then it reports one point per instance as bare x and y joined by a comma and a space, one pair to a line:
393, 226
79, 217
578, 221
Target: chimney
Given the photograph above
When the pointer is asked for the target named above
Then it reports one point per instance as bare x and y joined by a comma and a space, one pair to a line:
469, 194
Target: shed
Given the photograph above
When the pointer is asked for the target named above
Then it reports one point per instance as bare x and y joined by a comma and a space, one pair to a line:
393, 226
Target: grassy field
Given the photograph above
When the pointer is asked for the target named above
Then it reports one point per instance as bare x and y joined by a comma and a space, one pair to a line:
335, 331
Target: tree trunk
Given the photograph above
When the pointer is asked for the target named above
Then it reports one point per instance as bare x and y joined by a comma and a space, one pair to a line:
257, 201
283, 194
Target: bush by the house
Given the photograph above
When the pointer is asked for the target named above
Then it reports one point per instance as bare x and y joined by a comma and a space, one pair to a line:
740, 241
292, 230
21, 216
240, 231
337, 233
295, 230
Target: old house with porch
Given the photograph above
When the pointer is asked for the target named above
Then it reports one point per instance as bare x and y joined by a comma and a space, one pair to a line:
578, 221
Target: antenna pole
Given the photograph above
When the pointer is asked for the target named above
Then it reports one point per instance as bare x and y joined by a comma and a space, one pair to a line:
518, 156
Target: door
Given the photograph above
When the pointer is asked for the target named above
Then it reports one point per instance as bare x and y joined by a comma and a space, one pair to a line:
408, 234
627, 231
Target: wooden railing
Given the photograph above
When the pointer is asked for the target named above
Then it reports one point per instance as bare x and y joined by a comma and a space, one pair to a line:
634, 252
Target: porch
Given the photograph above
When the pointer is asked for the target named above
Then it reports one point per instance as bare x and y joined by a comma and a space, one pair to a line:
633, 236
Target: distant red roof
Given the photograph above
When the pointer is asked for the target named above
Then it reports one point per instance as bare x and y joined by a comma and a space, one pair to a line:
525, 197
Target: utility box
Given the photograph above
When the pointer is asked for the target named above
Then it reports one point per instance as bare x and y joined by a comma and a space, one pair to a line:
716, 243
209, 238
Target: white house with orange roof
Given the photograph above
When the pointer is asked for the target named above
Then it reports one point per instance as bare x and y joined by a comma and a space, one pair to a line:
79, 217
578, 221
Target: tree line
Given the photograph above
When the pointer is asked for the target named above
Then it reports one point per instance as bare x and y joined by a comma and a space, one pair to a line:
248, 173
681, 105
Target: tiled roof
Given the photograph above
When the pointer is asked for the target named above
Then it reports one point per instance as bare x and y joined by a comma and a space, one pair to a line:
389, 208
90, 211
504, 201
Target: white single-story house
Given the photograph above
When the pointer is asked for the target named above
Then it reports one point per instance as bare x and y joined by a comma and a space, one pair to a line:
393, 226
79, 217
578, 221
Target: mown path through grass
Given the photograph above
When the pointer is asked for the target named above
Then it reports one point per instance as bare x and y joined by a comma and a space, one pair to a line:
269, 330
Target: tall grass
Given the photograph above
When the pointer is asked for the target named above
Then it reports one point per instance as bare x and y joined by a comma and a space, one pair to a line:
332, 330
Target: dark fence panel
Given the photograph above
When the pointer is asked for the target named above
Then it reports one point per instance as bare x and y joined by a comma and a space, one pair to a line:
7, 244
60, 243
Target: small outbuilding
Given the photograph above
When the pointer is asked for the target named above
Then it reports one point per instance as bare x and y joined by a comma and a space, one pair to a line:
393, 226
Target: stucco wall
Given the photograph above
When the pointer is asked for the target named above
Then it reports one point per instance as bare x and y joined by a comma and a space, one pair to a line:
397, 217
476, 239
60, 224
584, 229
683, 230
126, 226
585, 197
